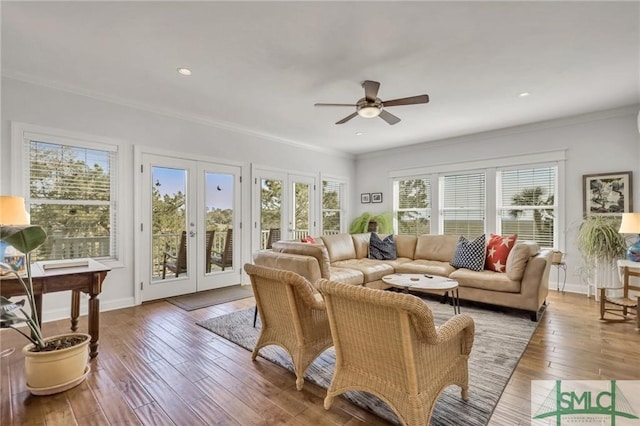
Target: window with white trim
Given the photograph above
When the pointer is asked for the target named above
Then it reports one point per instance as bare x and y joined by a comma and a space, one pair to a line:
412, 206
332, 207
462, 204
503, 198
527, 204
72, 195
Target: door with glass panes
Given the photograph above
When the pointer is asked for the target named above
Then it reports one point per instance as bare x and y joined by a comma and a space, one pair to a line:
189, 226
285, 206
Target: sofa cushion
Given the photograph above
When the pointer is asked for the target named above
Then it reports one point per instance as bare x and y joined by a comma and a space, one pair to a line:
436, 247
498, 249
487, 280
339, 247
347, 276
405, 245
361, 244
518, 258
470, 254
423, 266
397, 262
382, 249
372, 269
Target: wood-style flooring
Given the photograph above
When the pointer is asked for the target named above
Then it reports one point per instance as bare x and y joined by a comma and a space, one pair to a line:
156, 367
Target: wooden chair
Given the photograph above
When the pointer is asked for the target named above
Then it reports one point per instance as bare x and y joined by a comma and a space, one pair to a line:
177, 263
624, 308
274, 236
225, 258
292, 316
387, 344
207, 249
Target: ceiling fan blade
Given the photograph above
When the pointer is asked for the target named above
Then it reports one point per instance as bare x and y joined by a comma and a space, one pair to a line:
389, 118
347, 118
421, 99
370, 90
349, 105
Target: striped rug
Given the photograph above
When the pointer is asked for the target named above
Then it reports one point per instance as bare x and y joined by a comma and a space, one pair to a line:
500, 340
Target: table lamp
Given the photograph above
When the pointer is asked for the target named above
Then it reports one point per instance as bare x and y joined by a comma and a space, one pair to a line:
631, 225
12, 212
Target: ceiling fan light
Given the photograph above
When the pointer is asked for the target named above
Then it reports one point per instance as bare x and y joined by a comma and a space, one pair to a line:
369, 111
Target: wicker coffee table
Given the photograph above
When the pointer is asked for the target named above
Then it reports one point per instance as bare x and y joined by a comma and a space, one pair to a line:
426, 283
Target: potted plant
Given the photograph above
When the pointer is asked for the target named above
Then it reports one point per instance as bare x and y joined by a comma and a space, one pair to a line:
52, 364
367, 222
600, 245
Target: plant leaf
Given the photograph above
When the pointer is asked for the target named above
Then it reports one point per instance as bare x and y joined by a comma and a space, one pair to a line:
23, 238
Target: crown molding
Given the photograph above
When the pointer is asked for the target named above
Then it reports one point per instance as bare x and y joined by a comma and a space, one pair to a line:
167, 112
630, 110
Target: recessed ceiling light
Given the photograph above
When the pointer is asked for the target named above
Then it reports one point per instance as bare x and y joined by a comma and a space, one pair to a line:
359, 133
184, 71
524, 94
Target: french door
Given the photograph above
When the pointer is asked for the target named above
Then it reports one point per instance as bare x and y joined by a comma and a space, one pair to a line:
190, 212
284, 205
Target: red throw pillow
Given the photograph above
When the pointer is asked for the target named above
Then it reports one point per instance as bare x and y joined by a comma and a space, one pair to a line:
498, 248
308, 239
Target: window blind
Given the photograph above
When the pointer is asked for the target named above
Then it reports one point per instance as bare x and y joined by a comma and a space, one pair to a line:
463, 204
332, 207
527, 204
72, 195
413, 206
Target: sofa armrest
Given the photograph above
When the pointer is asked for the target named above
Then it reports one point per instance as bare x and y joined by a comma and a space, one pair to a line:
535, 280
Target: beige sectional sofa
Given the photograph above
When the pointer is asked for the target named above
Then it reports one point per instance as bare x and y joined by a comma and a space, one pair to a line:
344, 258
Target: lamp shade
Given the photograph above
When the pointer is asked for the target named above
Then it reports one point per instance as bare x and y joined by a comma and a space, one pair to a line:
630, 223
12, 211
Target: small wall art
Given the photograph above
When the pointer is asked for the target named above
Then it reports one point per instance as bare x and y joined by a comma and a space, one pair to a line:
365, 198
376, 197
607, 194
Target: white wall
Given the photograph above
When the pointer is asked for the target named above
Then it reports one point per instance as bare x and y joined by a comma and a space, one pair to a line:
38, 105
607, 141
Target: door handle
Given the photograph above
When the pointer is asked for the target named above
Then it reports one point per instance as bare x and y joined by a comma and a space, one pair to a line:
192, 234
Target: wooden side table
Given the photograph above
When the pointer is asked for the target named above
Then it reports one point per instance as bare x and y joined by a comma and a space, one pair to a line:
86, 279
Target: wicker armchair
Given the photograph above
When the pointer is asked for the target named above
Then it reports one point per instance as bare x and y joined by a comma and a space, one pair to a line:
292, 317
387, 344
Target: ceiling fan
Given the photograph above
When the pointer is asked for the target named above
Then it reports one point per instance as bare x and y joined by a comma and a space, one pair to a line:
372, 106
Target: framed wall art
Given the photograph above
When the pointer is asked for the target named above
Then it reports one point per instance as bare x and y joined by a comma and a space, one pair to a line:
607, 193
365, 198
376, 197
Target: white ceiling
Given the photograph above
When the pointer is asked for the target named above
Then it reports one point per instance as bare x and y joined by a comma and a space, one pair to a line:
259, 67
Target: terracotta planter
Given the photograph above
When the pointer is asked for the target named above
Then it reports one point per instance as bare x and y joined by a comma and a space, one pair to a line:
56, 371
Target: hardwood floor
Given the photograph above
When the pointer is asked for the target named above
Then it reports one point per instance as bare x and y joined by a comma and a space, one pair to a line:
157, 367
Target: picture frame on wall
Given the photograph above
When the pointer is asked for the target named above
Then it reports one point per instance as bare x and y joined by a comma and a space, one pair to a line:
376, 197
607, 194
365, 198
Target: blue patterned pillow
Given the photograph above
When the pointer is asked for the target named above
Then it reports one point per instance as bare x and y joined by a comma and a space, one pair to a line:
470, 254
382, 249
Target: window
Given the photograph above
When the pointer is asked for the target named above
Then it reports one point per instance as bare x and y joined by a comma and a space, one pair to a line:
527, 204
508, 195
462, 204
72, 196
412, 206
332, 214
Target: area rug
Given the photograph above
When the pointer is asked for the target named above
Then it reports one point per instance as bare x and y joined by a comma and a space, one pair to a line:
500, 340
202, 299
